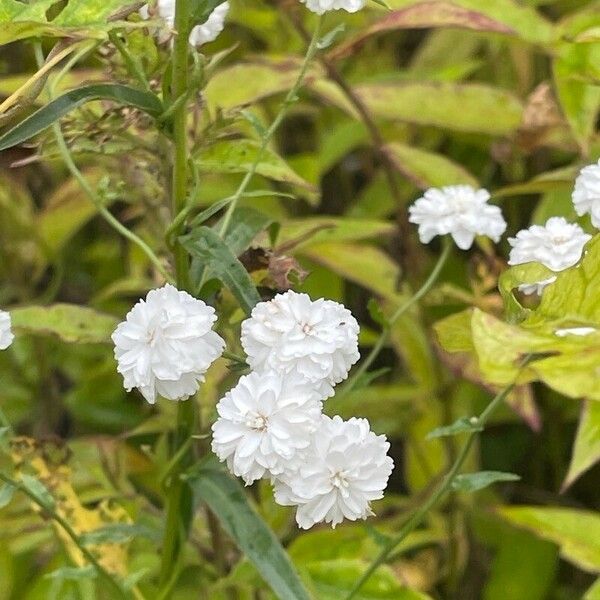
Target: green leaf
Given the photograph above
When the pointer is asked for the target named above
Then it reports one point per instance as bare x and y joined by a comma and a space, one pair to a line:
463, 425
586, 450
202, 9
334, 579
205, 245
455, 106
69, 322
246, 223
7, 492
51, 112
238, 156
472, 482
593, 593
227, 499
577, 532
38, 489
78, 19
427, 169
376, 313
73, 573
117, 533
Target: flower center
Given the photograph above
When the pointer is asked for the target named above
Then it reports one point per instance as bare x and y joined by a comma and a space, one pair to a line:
306, 328
559, 239
339, 481
257, 422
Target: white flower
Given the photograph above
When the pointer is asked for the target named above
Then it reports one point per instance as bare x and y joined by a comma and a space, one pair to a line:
201, 34
264, 422
166, 344
586, 195
6, 334
459, 210
579, 331
291, 333
344, 469
557, 245
322, 6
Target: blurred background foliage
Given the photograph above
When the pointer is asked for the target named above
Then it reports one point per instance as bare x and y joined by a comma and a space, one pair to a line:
498, 93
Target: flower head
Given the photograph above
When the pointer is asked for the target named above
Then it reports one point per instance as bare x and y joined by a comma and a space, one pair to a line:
293, 334
264, 422
201, 34
557, 245
343, 470
166, 344
460, 210
6, 334
586, 195
322, 6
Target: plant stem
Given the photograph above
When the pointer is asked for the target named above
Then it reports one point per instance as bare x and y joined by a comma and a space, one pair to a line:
179, 85
433, 276
443, 489
132, 64
113, 584
178, 494
83, 183
288, 101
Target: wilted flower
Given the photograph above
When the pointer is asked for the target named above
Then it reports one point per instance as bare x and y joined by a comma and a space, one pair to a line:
201, 34
264, 422
586, 195
6, 334
343, 470
293, 334
166, 344
458, 210
557, 245
322, 6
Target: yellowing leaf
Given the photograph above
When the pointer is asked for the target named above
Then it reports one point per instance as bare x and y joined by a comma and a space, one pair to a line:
586, 451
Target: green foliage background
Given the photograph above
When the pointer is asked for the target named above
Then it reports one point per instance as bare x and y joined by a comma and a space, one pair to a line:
498, 93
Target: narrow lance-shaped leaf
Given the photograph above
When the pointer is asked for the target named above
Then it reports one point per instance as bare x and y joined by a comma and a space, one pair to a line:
472, 482
205, 245
226, 498
45, 116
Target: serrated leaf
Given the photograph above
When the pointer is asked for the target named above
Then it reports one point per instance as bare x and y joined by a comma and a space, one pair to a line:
226, 498
61, 106
472, 482
69, 322
463, 425
205, 245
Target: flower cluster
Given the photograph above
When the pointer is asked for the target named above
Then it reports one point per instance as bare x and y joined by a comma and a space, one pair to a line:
322, 6
201, 34
463, 212
271, 424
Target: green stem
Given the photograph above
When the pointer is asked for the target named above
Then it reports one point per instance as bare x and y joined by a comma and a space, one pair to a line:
83, 183
364, 366
290, 99
438, 495
178, 492
48, 510
132, 64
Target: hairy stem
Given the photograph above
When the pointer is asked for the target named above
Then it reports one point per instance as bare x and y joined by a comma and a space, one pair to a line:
381, 341
438, 495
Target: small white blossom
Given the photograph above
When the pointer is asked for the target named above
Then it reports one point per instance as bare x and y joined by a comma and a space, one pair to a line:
293, 334
458, 210
166, 344
322, 6
586, 195
557, 245
345, 468
579, 331
201, 34
6, 334
264, 422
